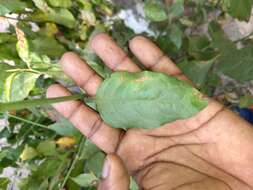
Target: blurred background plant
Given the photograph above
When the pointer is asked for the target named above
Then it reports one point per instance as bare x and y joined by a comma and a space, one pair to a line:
211, 41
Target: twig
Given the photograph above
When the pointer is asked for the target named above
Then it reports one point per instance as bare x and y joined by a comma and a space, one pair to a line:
80, 148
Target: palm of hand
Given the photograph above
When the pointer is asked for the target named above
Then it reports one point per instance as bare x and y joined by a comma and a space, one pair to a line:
183, 155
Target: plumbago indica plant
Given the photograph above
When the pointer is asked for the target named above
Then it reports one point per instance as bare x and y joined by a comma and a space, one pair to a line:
52, 152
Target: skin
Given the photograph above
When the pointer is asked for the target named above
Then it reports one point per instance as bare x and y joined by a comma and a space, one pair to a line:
211, 151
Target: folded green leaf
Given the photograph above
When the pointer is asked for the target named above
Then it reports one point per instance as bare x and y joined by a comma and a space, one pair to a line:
146, 100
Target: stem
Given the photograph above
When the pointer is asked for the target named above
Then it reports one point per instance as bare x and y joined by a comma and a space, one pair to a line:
27, 121
24, 70
80, 148
37, 102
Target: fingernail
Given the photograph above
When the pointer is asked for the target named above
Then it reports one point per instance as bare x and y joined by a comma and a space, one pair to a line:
106, 169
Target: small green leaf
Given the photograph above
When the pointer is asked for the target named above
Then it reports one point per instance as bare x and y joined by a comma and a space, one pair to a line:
146, 100
176, 9
84, 180
60, 3
133, 184
60, 16
8, 6
200, 48
176, 36
196, 71
18, 86
47, 148
47, 46
155, 11
65, 128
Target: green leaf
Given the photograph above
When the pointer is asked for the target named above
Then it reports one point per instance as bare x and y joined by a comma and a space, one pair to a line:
18, 86
28, 153
60, 16
8, 6
47, 148
200, 48
240, 9
133, 184
176, 9
47, 46
60, 3
4, 183
196, 71
155, 11
176, 36
146, 100
84, 180
65, 128
237, 63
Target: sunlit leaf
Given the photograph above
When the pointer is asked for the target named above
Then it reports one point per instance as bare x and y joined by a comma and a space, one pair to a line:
28, 153
18, 85
155, 11
65, 142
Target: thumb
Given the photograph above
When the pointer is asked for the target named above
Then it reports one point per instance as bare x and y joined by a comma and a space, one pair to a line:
114, 175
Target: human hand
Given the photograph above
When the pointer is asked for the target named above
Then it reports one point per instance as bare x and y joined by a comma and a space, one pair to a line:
211, 150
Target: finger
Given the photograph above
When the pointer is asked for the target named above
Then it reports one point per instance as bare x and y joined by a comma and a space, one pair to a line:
153, 58
80, 72
86, 120
111, 54
114, 175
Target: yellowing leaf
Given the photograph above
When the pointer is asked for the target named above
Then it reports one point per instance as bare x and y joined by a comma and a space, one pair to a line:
23, 47
18, 85
65, 142
28, 153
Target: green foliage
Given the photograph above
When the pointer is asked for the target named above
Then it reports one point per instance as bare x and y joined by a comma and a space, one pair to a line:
3, 183
84, 180
154, 11
7, 6
159, 98
18, 86
47, 148
239, 9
